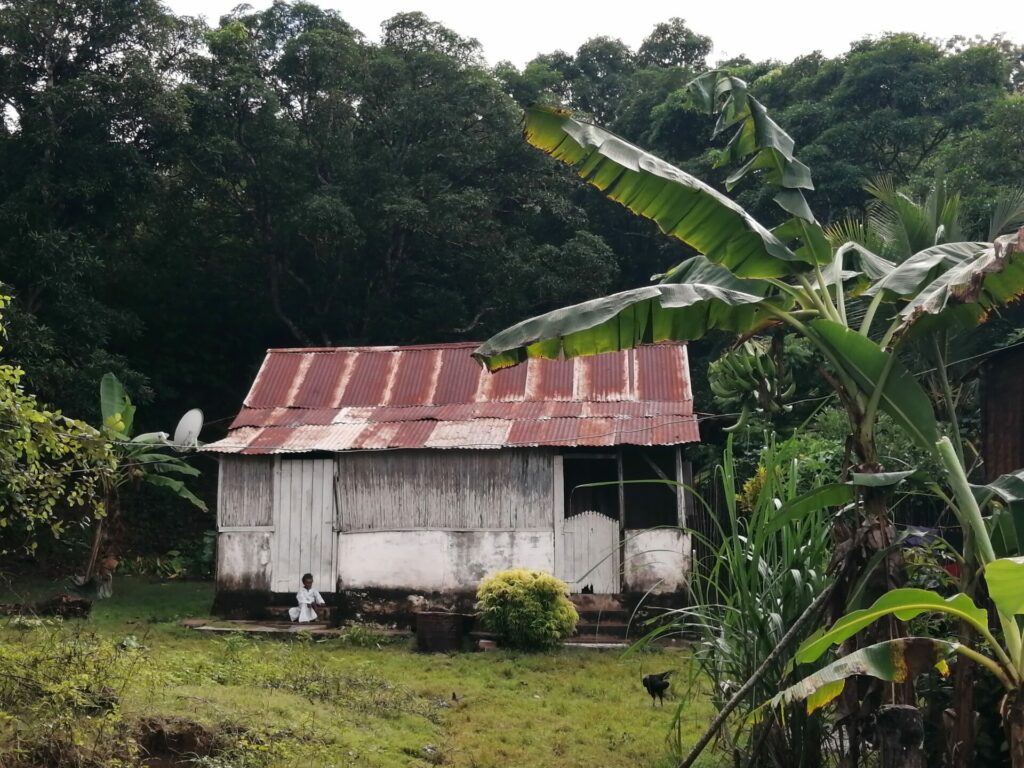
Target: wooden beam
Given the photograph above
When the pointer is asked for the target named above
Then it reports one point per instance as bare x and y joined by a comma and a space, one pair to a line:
558, 513
680, 490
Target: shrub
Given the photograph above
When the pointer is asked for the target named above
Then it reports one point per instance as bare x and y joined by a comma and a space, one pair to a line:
528, 610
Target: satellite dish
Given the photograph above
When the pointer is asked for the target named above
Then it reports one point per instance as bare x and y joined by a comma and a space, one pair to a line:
186, 434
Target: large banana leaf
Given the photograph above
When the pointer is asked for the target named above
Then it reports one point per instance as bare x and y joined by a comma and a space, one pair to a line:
682, 205
902, 397
1005, 580
965, 293
911, 276
624, 320
757, 133
904, 604
892, 661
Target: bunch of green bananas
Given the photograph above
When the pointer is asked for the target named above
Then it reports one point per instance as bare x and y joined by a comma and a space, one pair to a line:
751, 379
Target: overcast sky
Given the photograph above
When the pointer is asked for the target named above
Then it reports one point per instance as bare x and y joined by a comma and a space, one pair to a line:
518, 30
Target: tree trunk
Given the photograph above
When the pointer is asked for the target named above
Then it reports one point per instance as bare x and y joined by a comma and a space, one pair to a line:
900, 736
961, 737
1015, 727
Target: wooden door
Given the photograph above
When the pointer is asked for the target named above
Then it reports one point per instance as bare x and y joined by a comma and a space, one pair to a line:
590, 553
304, 538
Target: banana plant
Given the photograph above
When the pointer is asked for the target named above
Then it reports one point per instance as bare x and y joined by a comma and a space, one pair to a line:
144, 458
747, 278
901, 659
857, 309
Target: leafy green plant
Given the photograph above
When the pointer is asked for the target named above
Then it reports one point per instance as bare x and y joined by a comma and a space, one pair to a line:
143, 458
902, 659
529, 610
52, 467
862, 314
752, 588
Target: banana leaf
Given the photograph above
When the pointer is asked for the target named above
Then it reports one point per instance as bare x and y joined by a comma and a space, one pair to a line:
892, 661
623, 321
1005, 580
904, 604
965, 293
902, 397
680, 204
911, 276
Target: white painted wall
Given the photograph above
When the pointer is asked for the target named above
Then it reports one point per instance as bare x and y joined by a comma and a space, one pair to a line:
657, 558
243, 560
438, 560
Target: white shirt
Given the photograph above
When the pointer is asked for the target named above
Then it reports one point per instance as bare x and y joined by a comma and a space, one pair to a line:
304, 612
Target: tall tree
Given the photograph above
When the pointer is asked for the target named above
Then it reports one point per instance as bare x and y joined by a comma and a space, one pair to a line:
88, 109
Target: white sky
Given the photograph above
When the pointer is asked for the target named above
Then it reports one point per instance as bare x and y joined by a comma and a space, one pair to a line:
519, 29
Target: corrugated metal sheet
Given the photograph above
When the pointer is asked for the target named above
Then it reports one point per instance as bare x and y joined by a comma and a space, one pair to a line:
376, 398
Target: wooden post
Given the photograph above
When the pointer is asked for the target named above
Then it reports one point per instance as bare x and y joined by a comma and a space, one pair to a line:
622, 522
900, 729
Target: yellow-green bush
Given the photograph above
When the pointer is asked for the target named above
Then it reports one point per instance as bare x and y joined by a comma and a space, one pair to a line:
528, 610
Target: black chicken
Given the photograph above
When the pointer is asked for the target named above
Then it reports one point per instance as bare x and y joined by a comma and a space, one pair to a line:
656, 685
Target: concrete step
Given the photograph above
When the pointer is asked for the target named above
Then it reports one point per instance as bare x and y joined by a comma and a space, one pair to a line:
619, 629
597, 602
601, 616
324, 613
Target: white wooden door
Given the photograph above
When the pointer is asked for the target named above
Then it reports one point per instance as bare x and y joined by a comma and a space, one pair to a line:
590, 553
304, 524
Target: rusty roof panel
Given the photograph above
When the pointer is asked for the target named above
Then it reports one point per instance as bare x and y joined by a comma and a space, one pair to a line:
604, 377
546, 432
662, 373
276, 376
437, 396
317, 389
507, 384
477, 433
551, 380
368, 383
457, 381
415, 377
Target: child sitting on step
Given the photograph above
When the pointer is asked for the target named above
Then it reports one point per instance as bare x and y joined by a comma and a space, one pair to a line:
307, 597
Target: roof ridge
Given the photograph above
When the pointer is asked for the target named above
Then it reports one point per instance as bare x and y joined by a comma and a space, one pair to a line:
371, 348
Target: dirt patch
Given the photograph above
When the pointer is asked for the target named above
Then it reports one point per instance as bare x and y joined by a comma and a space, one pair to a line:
170, 742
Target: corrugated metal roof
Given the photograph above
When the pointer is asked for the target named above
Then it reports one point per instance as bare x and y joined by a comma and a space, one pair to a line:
437, 396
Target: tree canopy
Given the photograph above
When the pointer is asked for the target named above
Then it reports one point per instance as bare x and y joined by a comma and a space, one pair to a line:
178, 197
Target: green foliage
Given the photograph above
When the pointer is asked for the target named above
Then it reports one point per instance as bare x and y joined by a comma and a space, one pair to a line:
750, 591
147, 457
52, 468
59, 701
529, 610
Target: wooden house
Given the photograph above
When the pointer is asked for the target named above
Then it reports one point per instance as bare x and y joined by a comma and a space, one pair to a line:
412, 469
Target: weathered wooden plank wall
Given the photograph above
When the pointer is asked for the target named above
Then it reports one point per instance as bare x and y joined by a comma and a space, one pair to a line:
304, 540
245, 496
453, 490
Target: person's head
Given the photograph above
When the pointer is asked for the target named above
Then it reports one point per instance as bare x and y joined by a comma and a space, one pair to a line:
307, 580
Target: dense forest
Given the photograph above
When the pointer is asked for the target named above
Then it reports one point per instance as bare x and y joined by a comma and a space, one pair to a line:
176, 198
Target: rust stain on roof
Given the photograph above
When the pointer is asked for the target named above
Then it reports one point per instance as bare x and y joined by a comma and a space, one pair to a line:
437, 396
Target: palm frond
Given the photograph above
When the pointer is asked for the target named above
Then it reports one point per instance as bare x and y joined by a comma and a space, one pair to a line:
1007, 214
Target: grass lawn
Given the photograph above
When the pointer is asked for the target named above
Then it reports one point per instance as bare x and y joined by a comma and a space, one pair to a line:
355, 700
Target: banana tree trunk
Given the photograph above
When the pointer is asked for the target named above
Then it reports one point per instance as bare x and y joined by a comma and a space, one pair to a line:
1015, 727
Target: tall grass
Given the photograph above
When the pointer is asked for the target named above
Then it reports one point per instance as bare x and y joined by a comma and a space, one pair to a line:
757, 581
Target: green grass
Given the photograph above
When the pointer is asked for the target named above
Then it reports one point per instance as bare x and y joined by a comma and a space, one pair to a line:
332, 703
